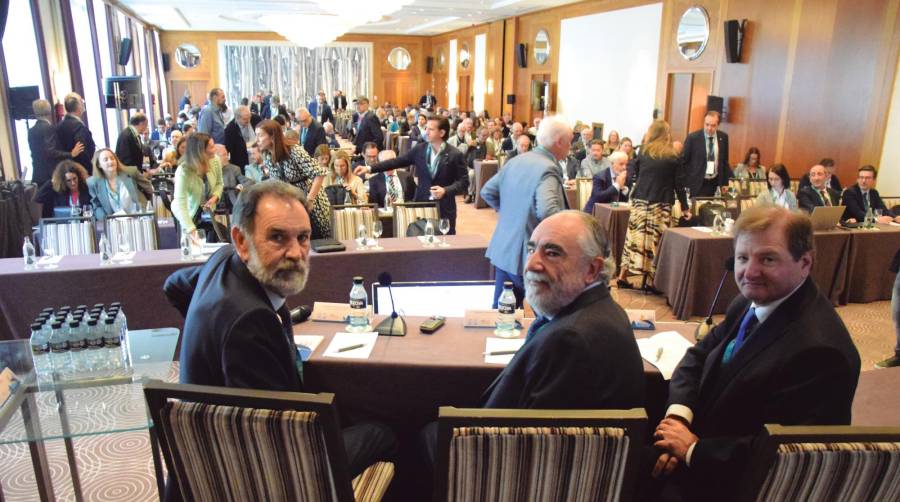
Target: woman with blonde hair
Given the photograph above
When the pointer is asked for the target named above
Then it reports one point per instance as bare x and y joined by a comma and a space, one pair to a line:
190, 196
341, 174
115, 187
287, 161
612, 143
660, 174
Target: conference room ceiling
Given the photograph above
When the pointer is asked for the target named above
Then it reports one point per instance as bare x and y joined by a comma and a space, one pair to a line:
421, 17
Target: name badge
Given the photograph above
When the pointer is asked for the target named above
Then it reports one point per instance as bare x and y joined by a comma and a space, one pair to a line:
710, 167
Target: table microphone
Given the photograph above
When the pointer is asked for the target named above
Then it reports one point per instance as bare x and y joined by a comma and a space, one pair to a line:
393, 325
707, 325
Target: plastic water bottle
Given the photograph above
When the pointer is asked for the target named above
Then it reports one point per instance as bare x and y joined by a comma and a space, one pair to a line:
77, 344
359, 300
40, 351
59, 349
93, 346
718, 223
187, 252
429, 232
28, 254
387, 201
121, 324
506, 307
112, 346
105, 254
869, 219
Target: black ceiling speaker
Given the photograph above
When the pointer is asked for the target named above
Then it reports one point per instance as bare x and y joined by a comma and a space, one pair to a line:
124, 51
734, 40
715, 104
165, 59
429, 64
522, 55
510, 99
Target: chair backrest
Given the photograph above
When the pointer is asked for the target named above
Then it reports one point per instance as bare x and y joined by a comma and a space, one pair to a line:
574, 455
241, 444
891, 202
74, 235
584, 186
139, 231
824, 463
747, 186
408, 212
747, 202
345, 219
795, 185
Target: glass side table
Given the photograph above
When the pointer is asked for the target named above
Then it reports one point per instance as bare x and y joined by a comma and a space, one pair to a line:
38, 412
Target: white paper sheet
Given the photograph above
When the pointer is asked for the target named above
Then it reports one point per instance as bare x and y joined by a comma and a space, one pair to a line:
49, 260
120, 256
311, 341
342, 340
706, 230
664, 350
501, 344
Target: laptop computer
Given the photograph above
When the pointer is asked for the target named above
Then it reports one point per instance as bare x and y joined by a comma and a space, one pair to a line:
826, 217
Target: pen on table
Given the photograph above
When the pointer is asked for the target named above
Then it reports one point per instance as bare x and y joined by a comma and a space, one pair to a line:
659, 353
351, 347
499, 353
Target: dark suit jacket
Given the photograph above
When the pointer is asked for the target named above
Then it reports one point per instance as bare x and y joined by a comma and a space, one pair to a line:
254, 108
378, 187
235, 144
694, 156
585, 358
71, 131
339, 102
451, 174
369, 130
833, 183
232, 336
799, 367
315, 136
603, 191
129, 149
50, 198
424, 102
852, 199
808, 198
45, 152
327, 115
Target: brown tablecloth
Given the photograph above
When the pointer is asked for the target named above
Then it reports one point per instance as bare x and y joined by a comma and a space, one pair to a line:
615, 221
572, 198
877, 399
484, 170
138, 286
690, 264
870, 256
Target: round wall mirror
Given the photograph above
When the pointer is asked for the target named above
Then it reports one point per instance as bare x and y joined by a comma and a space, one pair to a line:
464, 57
693, 33
541, 46
187, 56
399, 58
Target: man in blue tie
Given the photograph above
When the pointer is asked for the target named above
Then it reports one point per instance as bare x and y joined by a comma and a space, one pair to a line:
781, 356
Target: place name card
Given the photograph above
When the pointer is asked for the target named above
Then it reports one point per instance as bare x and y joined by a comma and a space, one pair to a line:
332, 312
486, 318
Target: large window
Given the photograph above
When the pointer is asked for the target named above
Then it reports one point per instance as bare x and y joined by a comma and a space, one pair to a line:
23, 69
93, 91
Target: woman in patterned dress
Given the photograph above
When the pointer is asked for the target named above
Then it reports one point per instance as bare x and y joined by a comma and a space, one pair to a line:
288, 161
660, 175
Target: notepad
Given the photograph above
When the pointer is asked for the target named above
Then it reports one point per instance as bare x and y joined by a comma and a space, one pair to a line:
501, 345
706, 230
310, 341
664, 350
346, 340
49, 260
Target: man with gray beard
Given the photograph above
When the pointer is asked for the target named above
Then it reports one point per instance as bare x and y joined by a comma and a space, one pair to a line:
237, 328
580, 352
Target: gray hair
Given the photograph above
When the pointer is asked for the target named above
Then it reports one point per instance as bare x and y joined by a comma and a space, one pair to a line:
241, 109
243, 215
41, 108
594, 243
618, 155
551, 129
386, 155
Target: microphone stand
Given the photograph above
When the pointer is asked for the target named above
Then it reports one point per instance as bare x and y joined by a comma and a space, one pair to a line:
387, 326
707, 324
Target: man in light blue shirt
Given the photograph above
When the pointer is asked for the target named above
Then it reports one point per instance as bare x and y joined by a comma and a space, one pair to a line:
212, 118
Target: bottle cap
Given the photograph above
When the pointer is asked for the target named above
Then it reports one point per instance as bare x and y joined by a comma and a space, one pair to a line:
36, 326
56, 325
109, 320
74, 324
92, 321
358, 280
115, 304
98, 305
507, 284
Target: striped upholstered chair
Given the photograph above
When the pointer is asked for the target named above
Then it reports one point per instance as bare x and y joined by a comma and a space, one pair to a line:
824, 463
537, 455
237, 444
406, 213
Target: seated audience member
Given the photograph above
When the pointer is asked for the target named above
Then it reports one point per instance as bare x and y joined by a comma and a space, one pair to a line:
862, 196
612, 184
612, 143
187, 129
512, 141
750, 168
390, 186
66, 189
341, 174
477, 151
407, 122
370, 155
174, 151
237, 326
115, 187
832, 181
323, 157
817, 193
594, 163
191, 194
779, 192
894, 361
162, 132
582, 146
330, 137
233, 179
781, 356
628, 147
417, 133
256, 169
523, 144
495, 143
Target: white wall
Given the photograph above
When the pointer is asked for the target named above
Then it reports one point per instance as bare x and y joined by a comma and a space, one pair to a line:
889, 167
607, 68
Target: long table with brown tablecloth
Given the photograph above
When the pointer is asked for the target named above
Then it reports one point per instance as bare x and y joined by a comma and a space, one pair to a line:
138, 285
690, 264
614, 219
870, 255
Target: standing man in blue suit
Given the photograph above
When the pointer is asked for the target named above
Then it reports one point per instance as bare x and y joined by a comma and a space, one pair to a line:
439, 167
527, 190
319, 109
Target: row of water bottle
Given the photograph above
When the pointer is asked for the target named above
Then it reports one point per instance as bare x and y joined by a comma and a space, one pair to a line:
80, 344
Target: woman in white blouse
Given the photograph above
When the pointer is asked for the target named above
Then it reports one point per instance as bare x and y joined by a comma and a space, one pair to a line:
779, 193
341, 174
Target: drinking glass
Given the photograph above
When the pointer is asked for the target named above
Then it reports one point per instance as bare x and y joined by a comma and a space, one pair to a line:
124, 243
48, 249
878, 213
87, 211
444, 227
361, 235
377, 229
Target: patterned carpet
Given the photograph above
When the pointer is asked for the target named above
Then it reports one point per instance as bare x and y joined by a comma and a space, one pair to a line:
119, 467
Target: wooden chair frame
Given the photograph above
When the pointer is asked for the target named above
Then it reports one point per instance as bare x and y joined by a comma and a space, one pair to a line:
634, 421
157, 393
339, 207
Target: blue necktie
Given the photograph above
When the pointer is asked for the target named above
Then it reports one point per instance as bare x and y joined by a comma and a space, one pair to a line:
535, 327
303, 136
747, 325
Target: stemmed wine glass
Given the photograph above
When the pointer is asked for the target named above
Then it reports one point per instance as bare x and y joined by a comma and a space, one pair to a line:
444, 227
377, 229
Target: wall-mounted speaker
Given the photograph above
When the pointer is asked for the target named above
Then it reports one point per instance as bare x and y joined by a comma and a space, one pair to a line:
522, 55
715, 104
734, 39
510, 99
165, 59
429, 64
124, 51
